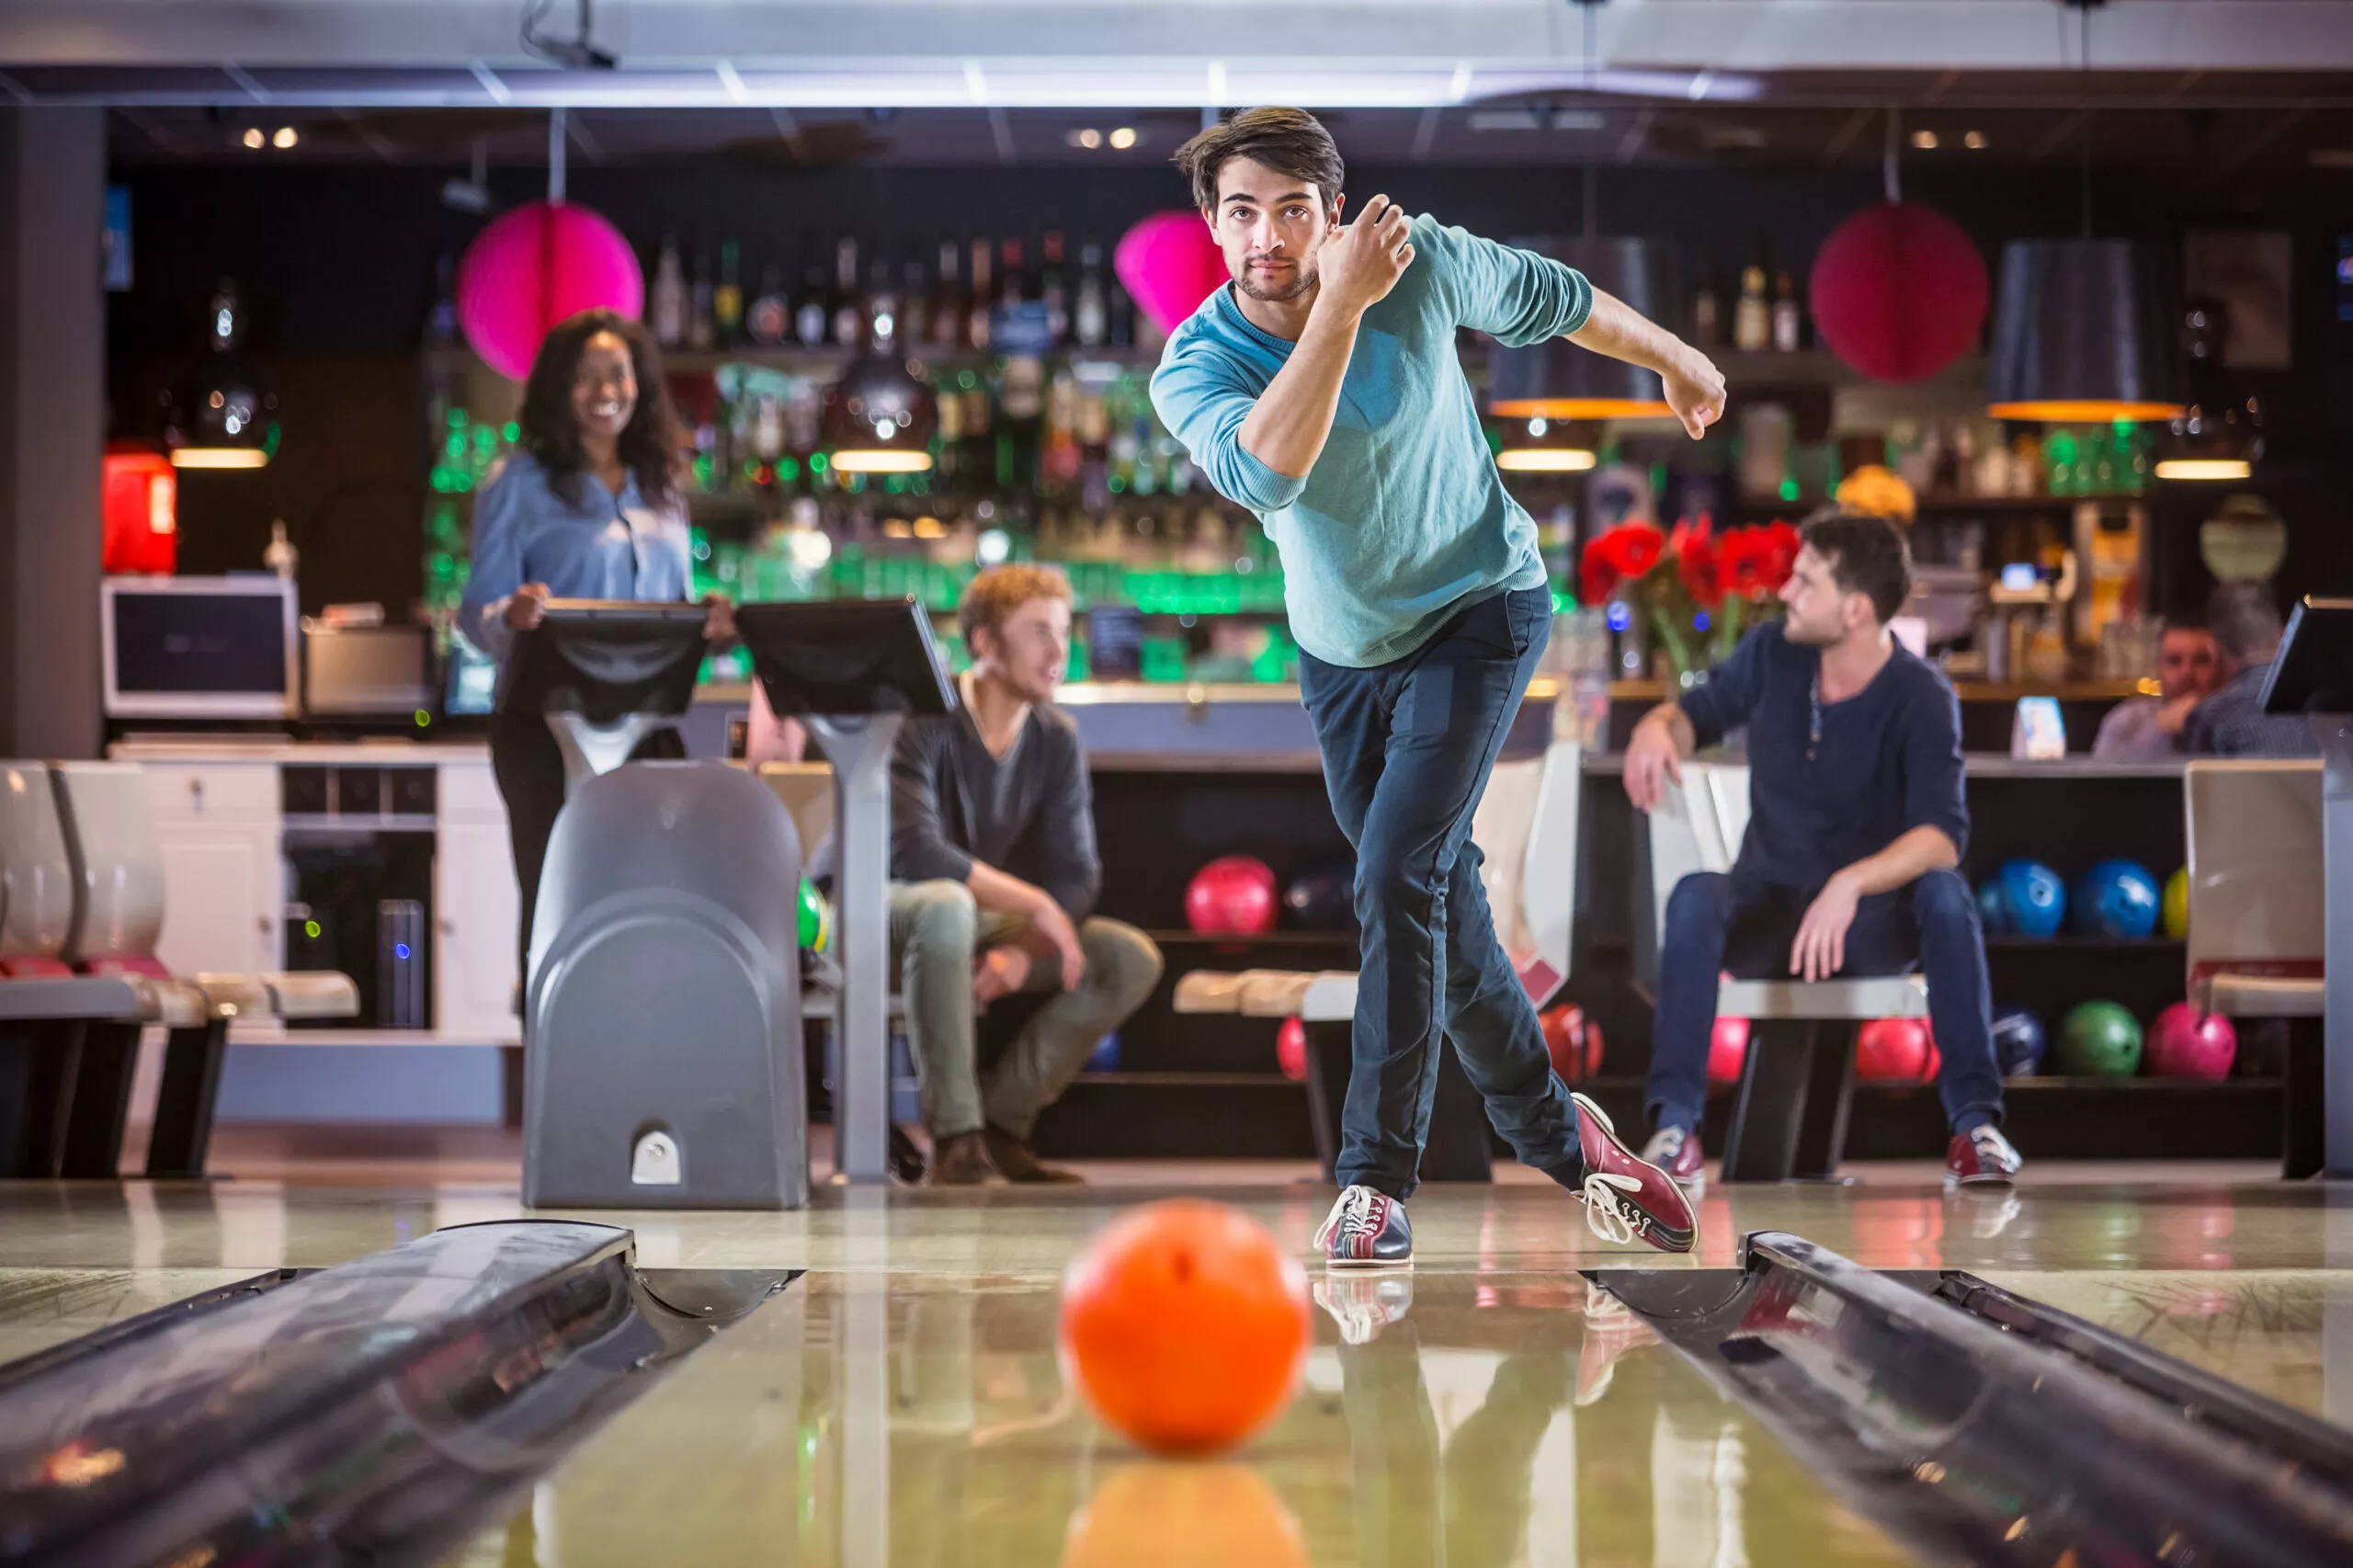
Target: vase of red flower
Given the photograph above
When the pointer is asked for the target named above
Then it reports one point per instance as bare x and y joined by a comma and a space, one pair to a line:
1699, 589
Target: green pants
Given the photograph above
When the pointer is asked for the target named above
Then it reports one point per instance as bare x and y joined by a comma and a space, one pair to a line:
935, 932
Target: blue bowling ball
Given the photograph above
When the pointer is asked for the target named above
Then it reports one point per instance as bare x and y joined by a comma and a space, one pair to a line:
2025, 898
1105, 1057
2018, 1042
2118, 898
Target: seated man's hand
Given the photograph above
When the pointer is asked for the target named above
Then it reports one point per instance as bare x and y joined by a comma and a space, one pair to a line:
1651, 760
1049, 922
1820, 951
1000, 971
718, 618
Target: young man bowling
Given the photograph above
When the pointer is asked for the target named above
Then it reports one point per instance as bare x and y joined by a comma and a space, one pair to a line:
1320, 388
1856, 825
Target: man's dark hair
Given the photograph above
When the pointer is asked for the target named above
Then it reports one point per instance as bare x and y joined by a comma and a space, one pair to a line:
2245, 621
1287, 141
1866, 555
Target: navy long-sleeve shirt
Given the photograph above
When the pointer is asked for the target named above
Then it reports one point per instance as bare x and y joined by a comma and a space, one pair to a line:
1888, 760
1030, 813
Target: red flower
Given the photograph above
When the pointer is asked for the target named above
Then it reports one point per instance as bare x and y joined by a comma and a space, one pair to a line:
1745, 558
1623, 553
1783, 538
1699, 563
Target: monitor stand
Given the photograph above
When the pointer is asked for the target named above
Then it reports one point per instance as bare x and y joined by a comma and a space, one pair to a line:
2312, 676
852, 673
605, 675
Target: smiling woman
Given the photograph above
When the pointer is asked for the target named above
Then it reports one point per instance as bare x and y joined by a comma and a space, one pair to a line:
588, 507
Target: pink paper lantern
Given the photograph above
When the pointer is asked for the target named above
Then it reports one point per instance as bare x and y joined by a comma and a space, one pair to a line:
1169, 264
534, 266
1898, 291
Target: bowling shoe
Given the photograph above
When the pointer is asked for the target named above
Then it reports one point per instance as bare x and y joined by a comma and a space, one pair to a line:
1676, 1150
1610, 1330
1364, 1304
961, 1160
1980, 1157
1625, 1196
1366, 1230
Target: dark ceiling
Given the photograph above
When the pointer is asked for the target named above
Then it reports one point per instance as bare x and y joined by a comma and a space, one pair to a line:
2207, 127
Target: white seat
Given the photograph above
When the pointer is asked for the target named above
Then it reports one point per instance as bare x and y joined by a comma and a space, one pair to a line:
1526, 827
2257, 916
1698, 827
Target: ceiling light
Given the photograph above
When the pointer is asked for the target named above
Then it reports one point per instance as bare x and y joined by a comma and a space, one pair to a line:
223, 412
1123, 138
1544, 459
284, 139
1924, 139
1974, 141
2204, 468
219, 457
1088, 138
254, 138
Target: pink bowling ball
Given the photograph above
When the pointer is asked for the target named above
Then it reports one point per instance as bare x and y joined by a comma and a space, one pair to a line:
2184, 1043
1727, 1049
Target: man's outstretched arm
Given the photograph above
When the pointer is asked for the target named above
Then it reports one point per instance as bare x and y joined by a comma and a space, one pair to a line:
1695, 388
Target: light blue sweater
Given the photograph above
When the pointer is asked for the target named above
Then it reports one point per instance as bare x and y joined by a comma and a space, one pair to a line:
1404, 519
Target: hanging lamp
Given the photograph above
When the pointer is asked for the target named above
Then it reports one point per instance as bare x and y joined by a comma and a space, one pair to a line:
2084, 329
223, 412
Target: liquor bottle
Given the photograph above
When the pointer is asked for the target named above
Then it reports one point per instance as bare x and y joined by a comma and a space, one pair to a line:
1053, 289
882, 305
815, 311
669, 297
947, 322
849, 310
951, 461
1786, 322
915, 302
1706, 312
769, 321
1752, 321
1011, 286
976, 321
1091, 318
727, 299
698, 332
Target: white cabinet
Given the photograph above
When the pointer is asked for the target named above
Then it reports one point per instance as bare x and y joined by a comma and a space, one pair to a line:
224, 892
476, 909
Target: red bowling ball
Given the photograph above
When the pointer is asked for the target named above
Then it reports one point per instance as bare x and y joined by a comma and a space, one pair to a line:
2184, 1043
1291, 1050
1896, 1051
1232, 895
1727, 1050
1574, 1044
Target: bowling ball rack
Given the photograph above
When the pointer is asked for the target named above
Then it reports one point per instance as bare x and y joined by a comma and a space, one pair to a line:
380, 1411
1975, 1424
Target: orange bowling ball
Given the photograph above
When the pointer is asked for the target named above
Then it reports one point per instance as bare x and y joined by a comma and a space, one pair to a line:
1185, 1325
1149, 1515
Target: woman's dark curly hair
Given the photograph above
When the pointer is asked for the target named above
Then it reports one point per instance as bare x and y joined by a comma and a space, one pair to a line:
650, 445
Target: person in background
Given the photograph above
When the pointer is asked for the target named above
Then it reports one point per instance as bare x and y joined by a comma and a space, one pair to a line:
587, 506
2231, 723
2148, 729
993, 879
1851, 863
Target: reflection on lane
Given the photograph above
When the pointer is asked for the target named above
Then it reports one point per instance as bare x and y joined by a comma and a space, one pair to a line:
1496, 1420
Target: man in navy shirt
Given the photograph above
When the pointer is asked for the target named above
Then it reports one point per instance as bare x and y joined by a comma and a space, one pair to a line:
1856, 825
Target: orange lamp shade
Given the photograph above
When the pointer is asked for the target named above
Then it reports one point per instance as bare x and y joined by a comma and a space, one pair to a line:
141, 511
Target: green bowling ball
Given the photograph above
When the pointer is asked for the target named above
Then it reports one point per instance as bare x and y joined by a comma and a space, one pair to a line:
816, 918
2099, 1040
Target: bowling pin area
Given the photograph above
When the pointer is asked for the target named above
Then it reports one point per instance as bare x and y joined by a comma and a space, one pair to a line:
890, 1383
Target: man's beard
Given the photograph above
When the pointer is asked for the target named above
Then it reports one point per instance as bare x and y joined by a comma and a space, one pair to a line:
1804, 636
1302, 280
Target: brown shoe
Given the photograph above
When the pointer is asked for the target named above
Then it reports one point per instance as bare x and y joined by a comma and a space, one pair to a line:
961, 1159
1020, 1162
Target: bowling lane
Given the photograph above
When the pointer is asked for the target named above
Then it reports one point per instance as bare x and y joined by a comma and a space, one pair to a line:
872, 1418
41, 1307
2284, 1333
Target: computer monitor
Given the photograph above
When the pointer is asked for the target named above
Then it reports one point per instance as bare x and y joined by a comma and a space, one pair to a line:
200, 647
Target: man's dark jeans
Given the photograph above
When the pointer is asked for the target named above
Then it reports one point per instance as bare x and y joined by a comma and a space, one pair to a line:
1718, 922
1407, 747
